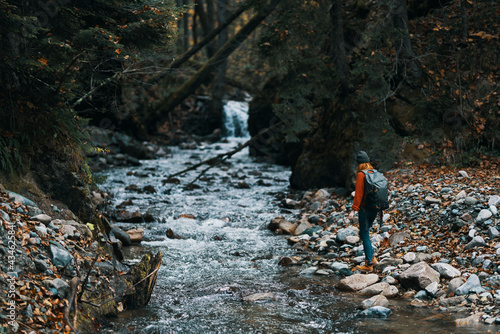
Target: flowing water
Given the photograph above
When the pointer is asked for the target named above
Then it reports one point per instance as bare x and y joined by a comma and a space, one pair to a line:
226, 253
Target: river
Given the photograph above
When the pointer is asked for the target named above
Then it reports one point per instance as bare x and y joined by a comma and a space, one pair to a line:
226, 253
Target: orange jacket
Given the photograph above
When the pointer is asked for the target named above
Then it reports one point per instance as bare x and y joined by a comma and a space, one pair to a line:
359, 193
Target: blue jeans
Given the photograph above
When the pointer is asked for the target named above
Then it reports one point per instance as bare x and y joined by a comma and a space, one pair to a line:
366, 219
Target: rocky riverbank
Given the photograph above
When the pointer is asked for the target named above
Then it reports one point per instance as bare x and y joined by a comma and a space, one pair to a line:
60, 275
438, 244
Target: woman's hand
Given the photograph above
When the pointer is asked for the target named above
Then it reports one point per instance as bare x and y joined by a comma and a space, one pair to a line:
351, 215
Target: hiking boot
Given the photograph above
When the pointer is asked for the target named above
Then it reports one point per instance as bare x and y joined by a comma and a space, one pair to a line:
374, 262
364, 267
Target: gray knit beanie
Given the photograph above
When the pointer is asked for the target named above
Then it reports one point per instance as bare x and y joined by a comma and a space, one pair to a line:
362, 157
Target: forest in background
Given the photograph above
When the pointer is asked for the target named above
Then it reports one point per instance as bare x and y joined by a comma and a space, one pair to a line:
414, 81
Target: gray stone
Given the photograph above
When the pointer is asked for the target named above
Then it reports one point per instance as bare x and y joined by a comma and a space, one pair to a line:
483, 215
42, 218
473, 285
309, 271
374, 289
60, 256
419, 257
446, 270
389, 280
493, 210
463, 173
313, 219
41, 265
421, 249
343, 233
461, 195
432, 289
68, 230
21, 199
4, 215
452, 301
398, 237
336, 266
470, 201
61, 286
493, 232
357, 282
422, 295
376, 312
378, 300
477, 241
418, 276
302, 227
494, 200
454, 284
431, 200
352, 239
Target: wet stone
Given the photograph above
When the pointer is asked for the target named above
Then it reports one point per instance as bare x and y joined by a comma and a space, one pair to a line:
376, 312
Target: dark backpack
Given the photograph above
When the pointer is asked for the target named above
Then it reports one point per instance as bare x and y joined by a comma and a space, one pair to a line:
376, 190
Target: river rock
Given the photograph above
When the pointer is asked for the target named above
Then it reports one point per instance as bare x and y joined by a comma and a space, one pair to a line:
343, 233
452, 301
61, 286
21, 199
477, 241
418, 276
259, 297
493, 232
432, 289
409, 257
4, 215
398, 237
383, 288
473, 319
303, 225
309, 271
470, 201
483, 215
378, 300
494, 200
136, 235
336, 266
43, 218
357, 282
376, 312
352, 239
41, 265
461, 195
389, 280
446, 270
68, 230
431, 200
454, 284
388, 262
60, 256
473, 285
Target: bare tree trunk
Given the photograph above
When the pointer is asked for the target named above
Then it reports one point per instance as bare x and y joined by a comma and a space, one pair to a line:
165, 106
405, 55
463, 20
337, 46
185, 26
220, 71
205, 24
207, 39
194, 29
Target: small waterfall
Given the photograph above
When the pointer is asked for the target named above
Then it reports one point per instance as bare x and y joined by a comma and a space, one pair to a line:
235, 119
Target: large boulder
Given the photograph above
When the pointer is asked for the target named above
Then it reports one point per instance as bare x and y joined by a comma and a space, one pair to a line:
418, 276
357, 282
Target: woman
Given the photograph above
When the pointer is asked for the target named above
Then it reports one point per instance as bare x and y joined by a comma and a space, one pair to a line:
366, 216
